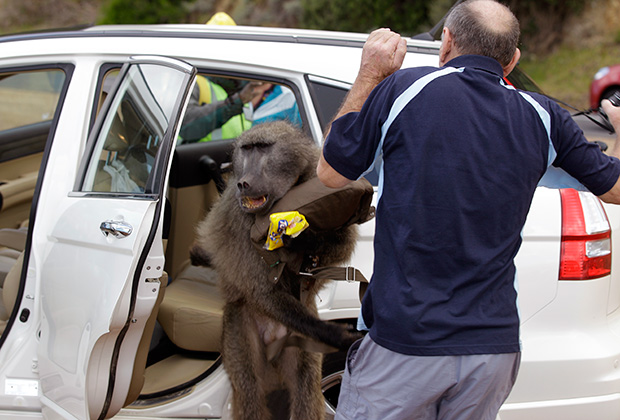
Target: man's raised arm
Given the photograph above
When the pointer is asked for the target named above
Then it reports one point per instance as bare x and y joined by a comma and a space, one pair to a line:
383, 54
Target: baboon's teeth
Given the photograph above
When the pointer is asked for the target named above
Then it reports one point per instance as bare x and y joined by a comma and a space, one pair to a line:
253, 202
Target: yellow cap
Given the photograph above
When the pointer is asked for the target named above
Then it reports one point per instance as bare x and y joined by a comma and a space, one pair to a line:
221, 18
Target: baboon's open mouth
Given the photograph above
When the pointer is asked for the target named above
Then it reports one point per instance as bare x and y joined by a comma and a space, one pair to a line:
253, 203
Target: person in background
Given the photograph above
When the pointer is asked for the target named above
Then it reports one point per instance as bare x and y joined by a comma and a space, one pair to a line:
216, 105
214, 114
276, 103
461, 155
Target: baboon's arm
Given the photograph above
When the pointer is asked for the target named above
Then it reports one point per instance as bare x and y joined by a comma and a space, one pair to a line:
286, 309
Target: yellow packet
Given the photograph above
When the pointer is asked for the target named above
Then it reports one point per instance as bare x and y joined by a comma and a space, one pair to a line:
290, 223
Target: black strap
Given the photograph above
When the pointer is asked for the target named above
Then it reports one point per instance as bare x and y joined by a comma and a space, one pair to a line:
349, 274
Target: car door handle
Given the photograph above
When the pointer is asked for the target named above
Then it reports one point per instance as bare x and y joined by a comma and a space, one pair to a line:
116, 228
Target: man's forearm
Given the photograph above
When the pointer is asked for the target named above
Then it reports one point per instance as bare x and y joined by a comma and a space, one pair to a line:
357, 96
613, 114
328, 176
613, 195
219, 113
382, 55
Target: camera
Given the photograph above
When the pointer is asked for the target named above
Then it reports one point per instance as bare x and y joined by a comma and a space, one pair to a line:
615, 101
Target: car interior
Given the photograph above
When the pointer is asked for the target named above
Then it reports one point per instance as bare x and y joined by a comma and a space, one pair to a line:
27, 104
180, 345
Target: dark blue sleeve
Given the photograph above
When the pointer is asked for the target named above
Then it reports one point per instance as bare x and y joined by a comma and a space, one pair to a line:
580, 158
354, 140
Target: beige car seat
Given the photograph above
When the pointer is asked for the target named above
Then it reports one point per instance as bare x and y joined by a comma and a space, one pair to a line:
191, 312
9, 291
12, 243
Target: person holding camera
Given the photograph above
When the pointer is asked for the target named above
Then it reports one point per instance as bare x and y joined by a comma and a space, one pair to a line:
460, 154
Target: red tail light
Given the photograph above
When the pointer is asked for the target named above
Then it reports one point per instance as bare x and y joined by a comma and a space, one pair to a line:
586, 237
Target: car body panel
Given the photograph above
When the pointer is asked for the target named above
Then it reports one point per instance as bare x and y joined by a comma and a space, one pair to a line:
70, 333
537, 277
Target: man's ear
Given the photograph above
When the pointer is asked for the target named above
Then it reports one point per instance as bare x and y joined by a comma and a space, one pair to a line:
513, 63
447, 47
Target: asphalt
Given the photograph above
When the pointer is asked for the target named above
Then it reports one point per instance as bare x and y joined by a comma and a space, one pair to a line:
593, 132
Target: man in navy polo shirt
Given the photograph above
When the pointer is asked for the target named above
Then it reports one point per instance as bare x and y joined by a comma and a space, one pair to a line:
460, 156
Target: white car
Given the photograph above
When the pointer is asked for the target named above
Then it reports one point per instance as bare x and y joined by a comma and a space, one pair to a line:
102, 315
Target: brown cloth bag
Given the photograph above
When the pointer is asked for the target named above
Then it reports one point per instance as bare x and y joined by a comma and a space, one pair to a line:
324, 209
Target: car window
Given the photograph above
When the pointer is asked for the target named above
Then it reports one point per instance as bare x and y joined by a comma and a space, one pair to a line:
28, 101
131, 133
327, 97
221, 108
109, 78
521, 80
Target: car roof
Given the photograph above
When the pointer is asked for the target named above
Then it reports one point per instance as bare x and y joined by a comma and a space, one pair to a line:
329, 54
239, 32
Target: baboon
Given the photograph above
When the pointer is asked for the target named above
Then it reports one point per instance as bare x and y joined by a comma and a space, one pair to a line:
268, 160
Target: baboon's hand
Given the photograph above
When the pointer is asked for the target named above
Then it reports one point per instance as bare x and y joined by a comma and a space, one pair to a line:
346, 337
284, 308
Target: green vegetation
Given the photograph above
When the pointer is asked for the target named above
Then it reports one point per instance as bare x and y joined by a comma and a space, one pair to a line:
142, 11
403, 16
566, 74
562, 71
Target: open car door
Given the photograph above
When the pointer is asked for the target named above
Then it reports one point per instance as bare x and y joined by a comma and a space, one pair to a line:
103, 268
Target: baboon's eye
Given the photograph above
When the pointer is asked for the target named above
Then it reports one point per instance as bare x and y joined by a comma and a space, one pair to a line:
258, 145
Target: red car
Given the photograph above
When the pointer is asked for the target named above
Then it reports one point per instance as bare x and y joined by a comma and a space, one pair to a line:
605, 83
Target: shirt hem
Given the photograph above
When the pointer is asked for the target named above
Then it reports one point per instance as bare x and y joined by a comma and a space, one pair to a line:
447, 350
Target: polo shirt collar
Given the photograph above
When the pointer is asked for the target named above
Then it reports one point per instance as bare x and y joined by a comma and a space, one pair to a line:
477, 61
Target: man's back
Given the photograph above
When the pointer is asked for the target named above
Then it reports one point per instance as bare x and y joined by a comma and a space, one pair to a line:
462, 156
461, 163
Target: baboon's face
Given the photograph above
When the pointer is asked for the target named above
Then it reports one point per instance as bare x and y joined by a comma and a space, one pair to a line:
267, 163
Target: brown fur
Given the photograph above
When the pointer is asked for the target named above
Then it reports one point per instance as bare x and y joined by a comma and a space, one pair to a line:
270, 159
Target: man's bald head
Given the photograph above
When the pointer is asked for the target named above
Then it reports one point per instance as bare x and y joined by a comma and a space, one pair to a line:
484, 27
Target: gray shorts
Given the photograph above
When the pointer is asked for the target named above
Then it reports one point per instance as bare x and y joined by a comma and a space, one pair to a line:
380, 384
